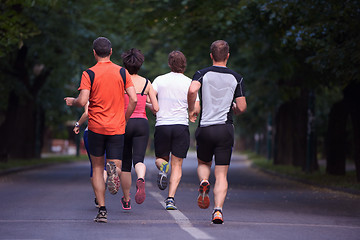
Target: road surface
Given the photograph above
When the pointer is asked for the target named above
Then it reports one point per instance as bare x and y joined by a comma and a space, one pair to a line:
56, 202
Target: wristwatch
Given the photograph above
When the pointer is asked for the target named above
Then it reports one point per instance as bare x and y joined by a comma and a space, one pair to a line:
77, 124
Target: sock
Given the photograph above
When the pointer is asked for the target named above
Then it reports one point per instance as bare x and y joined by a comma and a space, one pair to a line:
164, 167
171, 198
141, 179
204, 180
218, 209
102, 208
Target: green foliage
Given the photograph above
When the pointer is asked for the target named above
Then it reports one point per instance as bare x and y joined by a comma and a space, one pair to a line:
14, 25
58, 35
281, 47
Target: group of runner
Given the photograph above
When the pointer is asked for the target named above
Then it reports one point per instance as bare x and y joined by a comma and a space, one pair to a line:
115, 99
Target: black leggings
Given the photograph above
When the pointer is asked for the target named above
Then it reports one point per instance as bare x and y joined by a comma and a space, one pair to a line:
136, 141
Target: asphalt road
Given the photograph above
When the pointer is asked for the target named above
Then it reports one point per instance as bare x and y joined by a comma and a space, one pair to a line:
56, 202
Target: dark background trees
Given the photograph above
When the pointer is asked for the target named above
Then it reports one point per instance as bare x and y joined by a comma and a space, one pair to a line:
300, 60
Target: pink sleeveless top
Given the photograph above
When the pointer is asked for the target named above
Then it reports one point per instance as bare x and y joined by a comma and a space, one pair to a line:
139, 111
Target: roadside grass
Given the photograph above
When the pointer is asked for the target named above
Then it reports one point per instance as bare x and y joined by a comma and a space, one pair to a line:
21, 163
318, 178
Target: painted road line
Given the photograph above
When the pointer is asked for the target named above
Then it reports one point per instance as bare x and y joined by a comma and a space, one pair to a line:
182, 220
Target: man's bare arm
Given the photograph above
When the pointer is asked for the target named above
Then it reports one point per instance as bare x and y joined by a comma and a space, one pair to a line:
239, 106
193, 105
80, 101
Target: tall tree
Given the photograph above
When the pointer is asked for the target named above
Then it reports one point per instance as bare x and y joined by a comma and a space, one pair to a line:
34, 66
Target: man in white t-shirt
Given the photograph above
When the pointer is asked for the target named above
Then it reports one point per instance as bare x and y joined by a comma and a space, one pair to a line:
172, 135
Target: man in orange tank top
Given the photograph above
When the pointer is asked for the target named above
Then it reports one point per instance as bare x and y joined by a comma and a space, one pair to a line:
103, 86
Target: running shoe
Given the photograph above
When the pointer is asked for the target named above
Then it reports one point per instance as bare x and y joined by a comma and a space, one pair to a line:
113, 180
101, 217
96, 203
162, 180
140, 191
217, 217
162, 176
170, 204
125, 205
203, 199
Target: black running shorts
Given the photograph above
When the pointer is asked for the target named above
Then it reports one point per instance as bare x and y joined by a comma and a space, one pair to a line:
215, 140
172, 138
112, 144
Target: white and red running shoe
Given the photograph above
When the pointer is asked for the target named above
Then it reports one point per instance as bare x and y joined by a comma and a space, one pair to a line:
203, 199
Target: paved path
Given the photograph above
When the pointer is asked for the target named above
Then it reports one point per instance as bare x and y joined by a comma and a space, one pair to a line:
56, 202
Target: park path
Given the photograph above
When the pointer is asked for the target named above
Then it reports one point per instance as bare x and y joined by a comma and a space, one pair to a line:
56, 202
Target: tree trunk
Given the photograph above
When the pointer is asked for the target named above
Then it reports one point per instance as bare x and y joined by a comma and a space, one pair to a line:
290, 133
24, 133
336, 140
355, 117
22, 128
352, 100
283, 135
6, 128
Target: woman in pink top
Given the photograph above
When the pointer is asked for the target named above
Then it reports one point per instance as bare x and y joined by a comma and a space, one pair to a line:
137, 129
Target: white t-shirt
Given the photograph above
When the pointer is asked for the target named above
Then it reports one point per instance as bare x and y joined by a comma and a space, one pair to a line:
172, 89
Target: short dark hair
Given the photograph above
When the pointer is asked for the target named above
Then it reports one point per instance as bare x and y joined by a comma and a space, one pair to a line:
133, 59
102, 46
177, 61
219, 50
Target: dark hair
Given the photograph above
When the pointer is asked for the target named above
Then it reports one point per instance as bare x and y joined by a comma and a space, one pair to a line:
219, 50
102, 46
177, 61
133, 59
